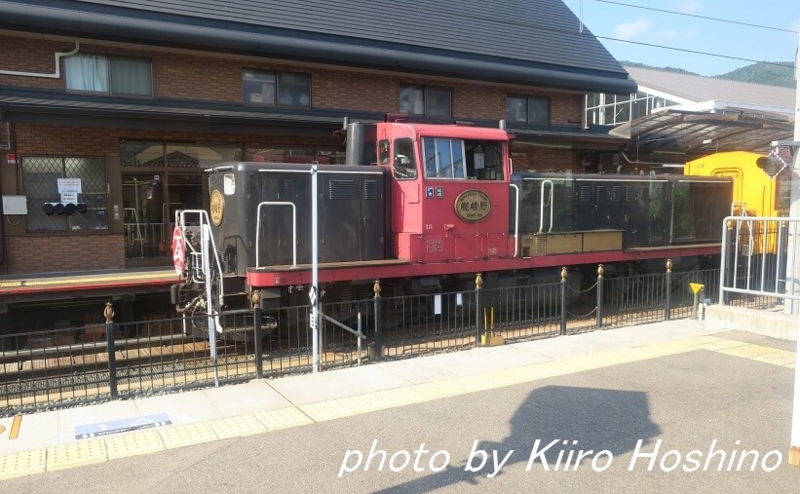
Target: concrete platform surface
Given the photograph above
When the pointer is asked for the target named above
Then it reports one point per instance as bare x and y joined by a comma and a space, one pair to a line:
76, 437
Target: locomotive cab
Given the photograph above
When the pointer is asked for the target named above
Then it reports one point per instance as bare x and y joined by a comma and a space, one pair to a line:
449, 193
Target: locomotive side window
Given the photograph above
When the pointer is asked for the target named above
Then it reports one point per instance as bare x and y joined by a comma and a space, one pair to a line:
383, 152
405, 166
444, 158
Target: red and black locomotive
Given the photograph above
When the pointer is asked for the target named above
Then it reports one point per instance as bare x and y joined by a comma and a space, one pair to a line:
424, 207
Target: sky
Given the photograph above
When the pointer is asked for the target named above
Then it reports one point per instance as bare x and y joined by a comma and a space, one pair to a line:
632, 25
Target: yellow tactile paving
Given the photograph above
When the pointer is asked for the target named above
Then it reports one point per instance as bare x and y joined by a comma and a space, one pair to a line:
134, 444
779, 357
437, 389
748, 351
282, 418
76, 454
176, 436
398, 397
327, 410
721, 345
24, 463
242, 425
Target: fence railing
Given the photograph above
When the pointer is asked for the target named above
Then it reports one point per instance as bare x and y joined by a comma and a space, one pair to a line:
122, 359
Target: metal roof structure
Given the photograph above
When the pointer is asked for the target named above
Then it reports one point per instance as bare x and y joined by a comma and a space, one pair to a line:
695, 89
535, 42
716, 115
677, 136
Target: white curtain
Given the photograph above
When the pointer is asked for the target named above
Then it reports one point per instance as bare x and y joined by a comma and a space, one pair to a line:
87, 73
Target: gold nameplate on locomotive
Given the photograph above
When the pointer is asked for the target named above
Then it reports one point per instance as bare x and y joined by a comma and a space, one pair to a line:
217, 207
473, 205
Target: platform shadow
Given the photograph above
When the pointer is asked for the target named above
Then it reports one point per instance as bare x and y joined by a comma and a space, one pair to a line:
588, 419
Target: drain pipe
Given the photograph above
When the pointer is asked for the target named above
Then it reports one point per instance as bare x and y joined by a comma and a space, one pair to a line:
56, 74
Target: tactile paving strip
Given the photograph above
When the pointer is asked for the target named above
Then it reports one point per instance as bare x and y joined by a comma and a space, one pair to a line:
24, 463
133, 444
242, 425
76, 454
282, 418
327, 410
185, 435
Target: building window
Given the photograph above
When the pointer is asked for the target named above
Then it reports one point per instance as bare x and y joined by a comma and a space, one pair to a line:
109, 75
65, 194
426, 101
532, 110
276, 88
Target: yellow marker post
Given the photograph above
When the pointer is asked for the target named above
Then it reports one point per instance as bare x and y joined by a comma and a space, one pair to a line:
696, 289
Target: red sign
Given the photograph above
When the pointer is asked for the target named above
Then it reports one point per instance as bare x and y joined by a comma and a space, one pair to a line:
11, 158
178, 250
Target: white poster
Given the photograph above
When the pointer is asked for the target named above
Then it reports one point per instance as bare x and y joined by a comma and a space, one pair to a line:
69, 185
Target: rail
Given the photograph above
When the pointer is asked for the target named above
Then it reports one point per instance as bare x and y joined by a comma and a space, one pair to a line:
74, 365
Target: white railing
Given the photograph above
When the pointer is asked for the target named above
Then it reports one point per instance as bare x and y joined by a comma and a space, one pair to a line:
758, 257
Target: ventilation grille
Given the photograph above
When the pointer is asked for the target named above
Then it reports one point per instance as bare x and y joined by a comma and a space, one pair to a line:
616, 193
602, 193
341, 190
585, 193
630, 193
371, 190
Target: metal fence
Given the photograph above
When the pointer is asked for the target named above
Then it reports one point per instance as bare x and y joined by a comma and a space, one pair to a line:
114, 360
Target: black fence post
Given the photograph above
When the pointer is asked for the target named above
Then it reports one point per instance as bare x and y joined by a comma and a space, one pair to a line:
478, 318
563, 301
668, 310
112, 351
376, 288
255, 298
600, 272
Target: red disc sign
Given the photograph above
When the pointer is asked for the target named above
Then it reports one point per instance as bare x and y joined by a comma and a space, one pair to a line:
178, 250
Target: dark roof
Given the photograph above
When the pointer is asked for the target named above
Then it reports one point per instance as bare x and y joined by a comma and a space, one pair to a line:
533, 42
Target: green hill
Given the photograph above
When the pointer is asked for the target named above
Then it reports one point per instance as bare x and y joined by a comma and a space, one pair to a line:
764, 73
772, 73
652, 67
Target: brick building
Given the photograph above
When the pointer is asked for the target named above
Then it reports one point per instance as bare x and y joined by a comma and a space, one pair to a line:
109, 111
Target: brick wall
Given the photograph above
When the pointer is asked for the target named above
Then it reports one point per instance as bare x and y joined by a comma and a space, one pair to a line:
214, 78
211, 78
50, 254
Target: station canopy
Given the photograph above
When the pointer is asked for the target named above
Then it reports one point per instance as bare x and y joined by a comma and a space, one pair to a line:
675, 135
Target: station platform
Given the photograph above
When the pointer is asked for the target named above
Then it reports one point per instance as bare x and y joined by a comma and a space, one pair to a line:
52, 285
75, 437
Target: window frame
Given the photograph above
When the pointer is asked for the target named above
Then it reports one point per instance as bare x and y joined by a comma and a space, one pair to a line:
437, 141
528, 99
110, 76
276, 76
96, 199
428, 93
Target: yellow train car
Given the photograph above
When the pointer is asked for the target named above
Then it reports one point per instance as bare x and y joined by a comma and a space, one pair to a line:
760, 188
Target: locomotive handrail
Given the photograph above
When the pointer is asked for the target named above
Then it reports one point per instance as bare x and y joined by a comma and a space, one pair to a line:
516, 220
205, 222
294, 228
541, 206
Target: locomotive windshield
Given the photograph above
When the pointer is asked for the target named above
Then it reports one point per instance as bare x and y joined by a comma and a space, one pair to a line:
460, 159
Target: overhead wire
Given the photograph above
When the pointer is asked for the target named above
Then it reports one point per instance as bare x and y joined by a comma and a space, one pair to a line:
687, 14
685, 50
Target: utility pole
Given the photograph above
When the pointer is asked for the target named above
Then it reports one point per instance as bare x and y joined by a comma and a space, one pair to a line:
794, 212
